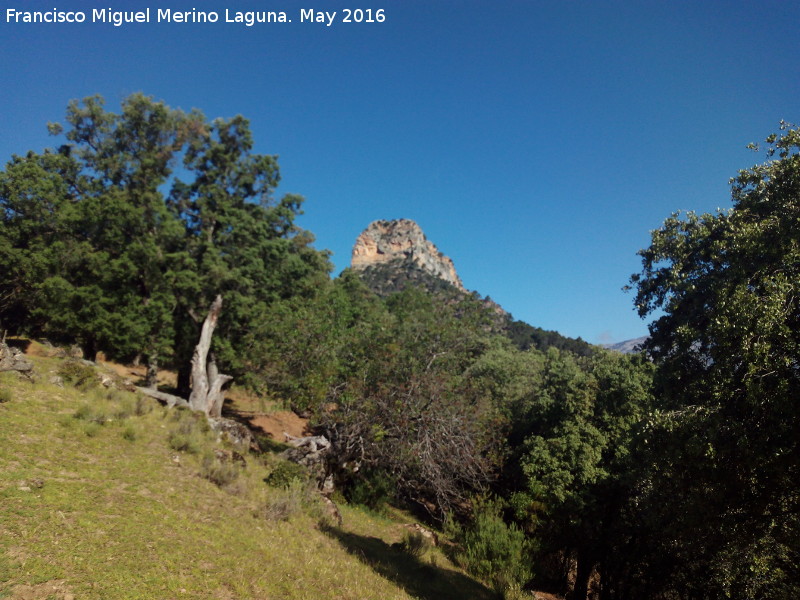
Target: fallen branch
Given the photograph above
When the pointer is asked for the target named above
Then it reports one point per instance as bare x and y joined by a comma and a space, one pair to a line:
164, 397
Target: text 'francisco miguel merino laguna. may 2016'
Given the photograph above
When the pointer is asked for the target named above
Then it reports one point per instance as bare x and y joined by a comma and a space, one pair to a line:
118, 18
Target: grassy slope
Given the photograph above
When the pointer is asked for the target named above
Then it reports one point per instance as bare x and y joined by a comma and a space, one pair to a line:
90, 511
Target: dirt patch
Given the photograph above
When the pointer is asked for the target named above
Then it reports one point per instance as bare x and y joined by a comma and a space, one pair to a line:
136, 373
56, 589
38, 349
276, 423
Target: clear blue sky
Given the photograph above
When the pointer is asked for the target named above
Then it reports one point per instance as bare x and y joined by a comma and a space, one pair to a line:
536, 144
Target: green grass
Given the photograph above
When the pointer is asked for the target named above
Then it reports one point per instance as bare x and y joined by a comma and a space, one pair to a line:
97, 503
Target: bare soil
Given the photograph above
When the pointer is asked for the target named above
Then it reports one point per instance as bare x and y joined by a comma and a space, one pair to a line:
241, 403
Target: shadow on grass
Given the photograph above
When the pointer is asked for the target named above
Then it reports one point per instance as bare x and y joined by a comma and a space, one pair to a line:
419, 579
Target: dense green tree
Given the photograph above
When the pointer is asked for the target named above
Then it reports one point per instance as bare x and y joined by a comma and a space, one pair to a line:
725, 449
304, 348
525, 336
507, 377
574, 462
242, 243
37, 195
405, 407
127, 159
99, 241
111, 249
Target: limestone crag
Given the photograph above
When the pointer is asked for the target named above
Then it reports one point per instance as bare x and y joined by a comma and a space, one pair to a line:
400, 241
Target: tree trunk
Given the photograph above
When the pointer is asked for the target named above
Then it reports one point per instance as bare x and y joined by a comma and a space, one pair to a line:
207, 381
90, 349
584, 571
215, 396
185, 379
151, 377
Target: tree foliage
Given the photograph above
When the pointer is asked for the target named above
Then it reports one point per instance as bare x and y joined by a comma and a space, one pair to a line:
404, 406
121, 238
727, 349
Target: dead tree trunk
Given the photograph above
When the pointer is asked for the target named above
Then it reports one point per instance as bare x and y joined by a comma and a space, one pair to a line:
151, 375
207, 381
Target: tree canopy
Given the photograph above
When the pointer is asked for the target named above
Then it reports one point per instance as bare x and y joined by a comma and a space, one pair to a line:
727, 349
120, 238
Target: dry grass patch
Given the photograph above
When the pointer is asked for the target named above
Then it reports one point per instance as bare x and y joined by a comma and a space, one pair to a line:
125, 516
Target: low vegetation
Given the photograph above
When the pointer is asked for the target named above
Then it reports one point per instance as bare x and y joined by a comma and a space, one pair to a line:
121, 513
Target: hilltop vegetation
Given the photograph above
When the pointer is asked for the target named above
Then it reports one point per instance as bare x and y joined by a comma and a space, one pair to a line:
550, 465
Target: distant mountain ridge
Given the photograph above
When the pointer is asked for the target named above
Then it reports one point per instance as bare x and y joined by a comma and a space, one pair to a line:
627, 346
391, 255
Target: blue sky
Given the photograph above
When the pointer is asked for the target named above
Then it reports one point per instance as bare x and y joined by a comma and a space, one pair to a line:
536, 144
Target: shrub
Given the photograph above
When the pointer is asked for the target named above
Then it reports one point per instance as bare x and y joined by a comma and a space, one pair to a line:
77, 374
285, 503
143, 405
120, 405
91, 428
514, 591
5, 395
285, 474
218, 472
91, 413
493, 550
129, 433
374, 490
190, 433
182, 442
414, 544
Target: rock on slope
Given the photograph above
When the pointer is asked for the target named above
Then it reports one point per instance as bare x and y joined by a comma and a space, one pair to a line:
402, 242
391, 255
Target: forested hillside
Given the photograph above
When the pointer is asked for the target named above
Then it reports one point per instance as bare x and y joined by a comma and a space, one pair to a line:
549, 464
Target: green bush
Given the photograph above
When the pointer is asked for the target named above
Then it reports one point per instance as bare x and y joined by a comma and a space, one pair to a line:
218, 472
77, 374
287, 502
374, 490
5, 395
91, 413
514, 591
493, 550
142, 406
191, 432
129, 433
125, 407
285, 474
91, 428
414, 544
192, 443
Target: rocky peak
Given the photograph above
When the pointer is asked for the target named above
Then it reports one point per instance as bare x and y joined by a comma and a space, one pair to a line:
401, 241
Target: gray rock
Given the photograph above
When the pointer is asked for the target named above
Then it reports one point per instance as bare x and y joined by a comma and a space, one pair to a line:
402, 240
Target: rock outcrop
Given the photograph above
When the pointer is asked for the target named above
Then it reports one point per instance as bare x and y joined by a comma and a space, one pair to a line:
13, 359
402, 242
